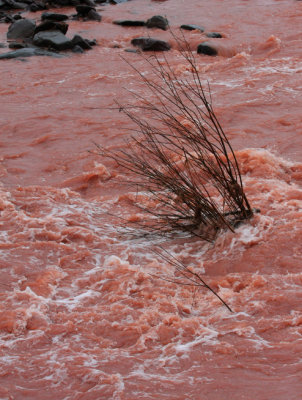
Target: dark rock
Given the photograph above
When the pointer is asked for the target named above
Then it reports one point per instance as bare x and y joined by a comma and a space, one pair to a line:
214, 35
117, 1
90, 3
17, 45
91, 42
2, 45
29, 52
52, 26
206, 48
17, 17
52, 39
37, 6
83, 9
79, 41
157, 21
14, 5
94, 16
77, 49
192, 27
131, 50
150, 44
53, 16
21, 29
87, 12
128, 22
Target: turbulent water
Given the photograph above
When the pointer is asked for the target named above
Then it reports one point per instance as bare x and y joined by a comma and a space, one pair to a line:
82, 312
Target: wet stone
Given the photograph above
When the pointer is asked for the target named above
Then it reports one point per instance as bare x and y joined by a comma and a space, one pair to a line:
192, 27
157, 21
77, 49
87, 12
214, 35
79, 41
150, 44
93, 15
206, 48
52, 39
37, 6
17, 45
128, 22
52, 26
53, 16
21, 29
28, 52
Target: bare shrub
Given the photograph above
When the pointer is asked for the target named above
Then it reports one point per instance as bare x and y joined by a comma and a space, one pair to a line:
180, 155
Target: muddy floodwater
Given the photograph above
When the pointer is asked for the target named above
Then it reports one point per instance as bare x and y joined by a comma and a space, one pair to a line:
82, 314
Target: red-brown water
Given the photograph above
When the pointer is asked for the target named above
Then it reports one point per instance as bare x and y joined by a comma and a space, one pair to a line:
81, 315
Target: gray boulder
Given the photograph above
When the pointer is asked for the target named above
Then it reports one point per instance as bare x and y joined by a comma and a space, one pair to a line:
192, 27
52, 39
207, 48
157, 21
21, 29
150, 44
28, 52
53, 16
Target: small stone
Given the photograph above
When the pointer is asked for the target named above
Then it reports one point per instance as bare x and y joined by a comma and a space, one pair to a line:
52, 39
157, 21
36, 6
192, 27
79, 41
214, 35
94, 16
17, 45
21, 29
28, 52
128, 22
77, 49
206, 48
150, 44
52, 26
83, 9
53, 16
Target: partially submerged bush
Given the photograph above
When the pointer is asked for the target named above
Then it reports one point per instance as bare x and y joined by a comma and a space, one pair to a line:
181, 156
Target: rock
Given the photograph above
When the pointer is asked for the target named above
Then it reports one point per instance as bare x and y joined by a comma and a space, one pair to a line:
29, 52
150, 44
52, 26
21, 29
214, 35
77, 49
17, 45
131, 50
11, 4
83, 9
17, 17
157, 21
91, 42
128, 22
52, 39
117, 1
88, 12
192, 27
53, 16
93, 15
37, 6
2, 45
206, 48
79, 41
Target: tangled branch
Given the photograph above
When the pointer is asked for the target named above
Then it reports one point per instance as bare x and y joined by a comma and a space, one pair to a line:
180, 155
